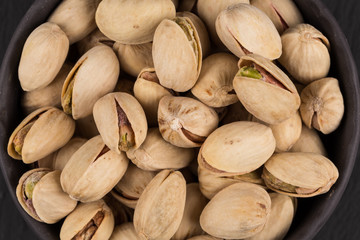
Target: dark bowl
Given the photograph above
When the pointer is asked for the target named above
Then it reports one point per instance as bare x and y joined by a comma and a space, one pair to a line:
342, 144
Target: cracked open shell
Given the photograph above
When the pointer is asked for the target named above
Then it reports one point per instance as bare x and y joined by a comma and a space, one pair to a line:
177, 54
93, 221
214, 86
309, 141
165, 194
121, 121
94, 75
236, 212
93, 39
283, 13
264, 90
40, 194
244, 29
305, 53
185, 122
30, 140
42, 57
125, 231
92, 171
299, 174
237, 148
132, 22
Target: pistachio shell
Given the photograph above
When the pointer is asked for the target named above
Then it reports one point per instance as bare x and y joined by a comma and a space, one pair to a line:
177, 54
214, 86
96, 214
92, 171
125, 231
108, 118
185, 122
309, 141
48, 123
238, 211
322, 105
63, 155
138, 21
273, 98
44, 53
237, 148
305, 53
299, 174
75, 17
160, 207
93, 39
245, 29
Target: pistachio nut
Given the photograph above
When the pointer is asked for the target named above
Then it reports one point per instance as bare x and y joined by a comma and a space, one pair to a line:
121, 121
185, 122
242, 35
281, 216
132, 184
157, 154
134, 58
237, 148
305, 53
236, 212
322, 105
93, 39
30, 140
283, 13
125, 85
86, 127
177, 54
122, 213
264, 90
93, 221
42, 57
148, 92
299, 174
46, 96
203, 237
40, 194
194, 205
92, 171
165, 194
75, 17
214, 86
309, 141
125, 231
94, 75
137, 19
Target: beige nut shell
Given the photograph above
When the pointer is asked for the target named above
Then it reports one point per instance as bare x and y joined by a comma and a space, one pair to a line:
125, 231
309, 141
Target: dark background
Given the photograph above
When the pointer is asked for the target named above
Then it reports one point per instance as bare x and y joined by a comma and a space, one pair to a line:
343, 224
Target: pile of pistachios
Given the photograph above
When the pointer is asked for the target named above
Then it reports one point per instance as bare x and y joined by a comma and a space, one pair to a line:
174, 119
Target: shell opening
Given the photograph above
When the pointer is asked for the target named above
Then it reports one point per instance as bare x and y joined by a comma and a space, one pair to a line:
245, 51
282, 20
89, 230
276, 183
150, 76
193, 137
208, 166
103, 151
18, 141
127, 136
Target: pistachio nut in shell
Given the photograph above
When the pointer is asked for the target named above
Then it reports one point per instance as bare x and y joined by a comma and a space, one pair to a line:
125, 231
214, 86
265, 91
92, 171
49, 95
148, 92
156, 154
137, 19
93, 221
281, 215
237, 148
283, 13
244, 29
134, 58
94, 75
236, 212
160, 208
30, 140
305, 53
185, 122
40, 194
75, 17
322, 105
93, 39
177, 54
309, 141
194, 204
63, 155
299, 174
42, 57
121, 121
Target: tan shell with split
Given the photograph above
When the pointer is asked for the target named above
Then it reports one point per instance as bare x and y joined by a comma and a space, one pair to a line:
309, 141
51, 123
236, 212
125, 231
267, 102
245, 29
